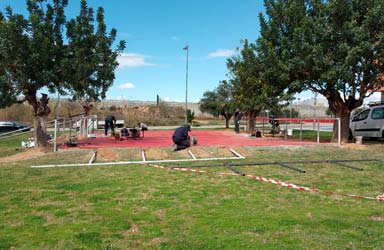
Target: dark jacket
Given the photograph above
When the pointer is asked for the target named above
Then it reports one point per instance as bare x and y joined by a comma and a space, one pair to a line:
182, 132
238, 115
110, 118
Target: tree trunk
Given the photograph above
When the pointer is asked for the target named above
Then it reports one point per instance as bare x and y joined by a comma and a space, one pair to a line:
40, 131
41, 112
227, 122
344, 115
227, 118
252, 120
84, 121
342, 109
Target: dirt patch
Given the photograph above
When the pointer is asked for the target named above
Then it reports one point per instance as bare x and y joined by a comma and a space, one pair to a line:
128, 154
158, 240
200, 152
106, 154
25, 155
224, 152
134, 229
214, 152
241, 150
160, 213
156, 154
377, 218
181, 154
354, 146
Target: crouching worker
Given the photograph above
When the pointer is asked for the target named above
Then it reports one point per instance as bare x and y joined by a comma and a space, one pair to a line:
181, 138
124, 132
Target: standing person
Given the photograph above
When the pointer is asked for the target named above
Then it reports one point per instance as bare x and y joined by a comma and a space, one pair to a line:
109, 121
238, 115
181, 138
142, 126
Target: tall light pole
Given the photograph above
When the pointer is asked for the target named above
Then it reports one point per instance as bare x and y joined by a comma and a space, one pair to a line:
186, 88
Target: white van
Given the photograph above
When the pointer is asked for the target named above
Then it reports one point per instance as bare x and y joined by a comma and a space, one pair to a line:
369, 122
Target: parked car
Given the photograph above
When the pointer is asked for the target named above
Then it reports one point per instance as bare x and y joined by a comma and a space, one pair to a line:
368, 122
8, 126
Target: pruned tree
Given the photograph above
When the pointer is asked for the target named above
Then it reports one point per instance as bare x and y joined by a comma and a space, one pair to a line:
334, 48
219, 102
190, 116
253, 89
33, 57
91, 62
30, 52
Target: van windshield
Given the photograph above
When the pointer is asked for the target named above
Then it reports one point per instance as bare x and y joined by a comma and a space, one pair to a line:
363, 115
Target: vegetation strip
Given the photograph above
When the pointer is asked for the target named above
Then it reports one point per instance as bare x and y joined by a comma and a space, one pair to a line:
271, 181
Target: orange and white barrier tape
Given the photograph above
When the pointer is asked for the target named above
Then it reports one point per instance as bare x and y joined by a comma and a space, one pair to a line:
276, 182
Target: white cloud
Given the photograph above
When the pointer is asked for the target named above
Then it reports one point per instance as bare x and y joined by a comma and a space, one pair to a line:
127, 85
221, 53
375, 97
125, 34
168, 99
114, 98
131, 60
175, 38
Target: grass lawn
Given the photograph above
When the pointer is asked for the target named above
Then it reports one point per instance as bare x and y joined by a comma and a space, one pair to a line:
141, 207
311, 135
8, 146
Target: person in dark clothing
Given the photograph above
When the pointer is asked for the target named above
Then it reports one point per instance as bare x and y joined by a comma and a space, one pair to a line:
274, 122
238, 115
181, 138
109, 122
275, 125
124, 132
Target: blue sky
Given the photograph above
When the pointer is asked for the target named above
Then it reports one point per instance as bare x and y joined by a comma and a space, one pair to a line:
156, 32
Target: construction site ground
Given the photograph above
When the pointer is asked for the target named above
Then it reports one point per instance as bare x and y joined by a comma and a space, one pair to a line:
163, 138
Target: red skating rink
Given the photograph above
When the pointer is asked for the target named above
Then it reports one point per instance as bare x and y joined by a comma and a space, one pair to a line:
204, 137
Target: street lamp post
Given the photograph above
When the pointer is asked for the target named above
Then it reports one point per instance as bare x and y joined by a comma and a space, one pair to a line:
186, 87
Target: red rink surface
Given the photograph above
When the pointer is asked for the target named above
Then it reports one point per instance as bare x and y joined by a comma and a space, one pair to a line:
204, 138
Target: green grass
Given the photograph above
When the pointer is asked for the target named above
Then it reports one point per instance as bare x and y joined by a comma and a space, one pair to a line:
140, 207
311, 135
9, 146
306, 135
